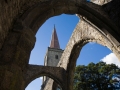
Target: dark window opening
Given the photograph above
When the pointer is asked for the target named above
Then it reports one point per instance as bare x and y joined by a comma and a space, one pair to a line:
56, 56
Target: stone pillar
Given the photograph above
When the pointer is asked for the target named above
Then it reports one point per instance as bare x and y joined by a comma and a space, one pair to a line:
14, 57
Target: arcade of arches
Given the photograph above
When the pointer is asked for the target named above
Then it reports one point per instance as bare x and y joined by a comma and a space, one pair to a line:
20, 20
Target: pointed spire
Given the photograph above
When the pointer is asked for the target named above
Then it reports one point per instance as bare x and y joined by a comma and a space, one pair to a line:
54, 41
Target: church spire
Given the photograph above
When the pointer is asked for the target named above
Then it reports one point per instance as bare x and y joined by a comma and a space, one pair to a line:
54, 41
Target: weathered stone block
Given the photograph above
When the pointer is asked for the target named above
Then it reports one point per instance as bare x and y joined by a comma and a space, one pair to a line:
7, 80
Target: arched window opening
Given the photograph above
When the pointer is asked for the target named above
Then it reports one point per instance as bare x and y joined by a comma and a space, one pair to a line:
26, 25
35, 84
40, 54
44, 34
42, 85
56, 56
92, 66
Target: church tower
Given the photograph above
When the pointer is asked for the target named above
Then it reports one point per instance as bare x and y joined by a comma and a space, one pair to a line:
53, 53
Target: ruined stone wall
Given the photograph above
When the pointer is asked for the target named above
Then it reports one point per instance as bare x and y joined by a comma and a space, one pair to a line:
20, 20
9, 9
84, 32
34, 71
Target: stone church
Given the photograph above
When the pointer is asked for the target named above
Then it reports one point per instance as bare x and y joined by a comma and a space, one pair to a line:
52, 56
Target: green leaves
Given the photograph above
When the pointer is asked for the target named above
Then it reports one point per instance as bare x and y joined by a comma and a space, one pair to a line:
96, 77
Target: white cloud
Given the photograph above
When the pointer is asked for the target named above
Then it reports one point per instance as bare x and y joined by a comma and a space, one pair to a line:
111, 58
41, 78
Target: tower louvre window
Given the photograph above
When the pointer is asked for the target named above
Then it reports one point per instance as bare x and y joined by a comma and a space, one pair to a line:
56, 56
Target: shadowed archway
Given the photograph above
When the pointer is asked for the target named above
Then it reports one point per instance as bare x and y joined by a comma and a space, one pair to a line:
58, 74
20, 20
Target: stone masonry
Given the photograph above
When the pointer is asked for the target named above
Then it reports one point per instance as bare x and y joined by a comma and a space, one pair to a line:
19, 23
52, 58
84, 32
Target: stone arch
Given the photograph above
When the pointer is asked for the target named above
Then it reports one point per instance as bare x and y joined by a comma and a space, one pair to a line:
36, 15
18, 26
84, 33
33, 15
58, 74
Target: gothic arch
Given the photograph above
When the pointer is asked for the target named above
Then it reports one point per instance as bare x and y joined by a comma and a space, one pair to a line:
83, 33
37, 15
20, 20
33, 15
56, 73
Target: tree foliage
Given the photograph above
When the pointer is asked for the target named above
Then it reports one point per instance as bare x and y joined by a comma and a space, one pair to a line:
98, 76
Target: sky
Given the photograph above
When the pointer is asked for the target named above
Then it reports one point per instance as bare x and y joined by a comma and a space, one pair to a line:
65, 24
